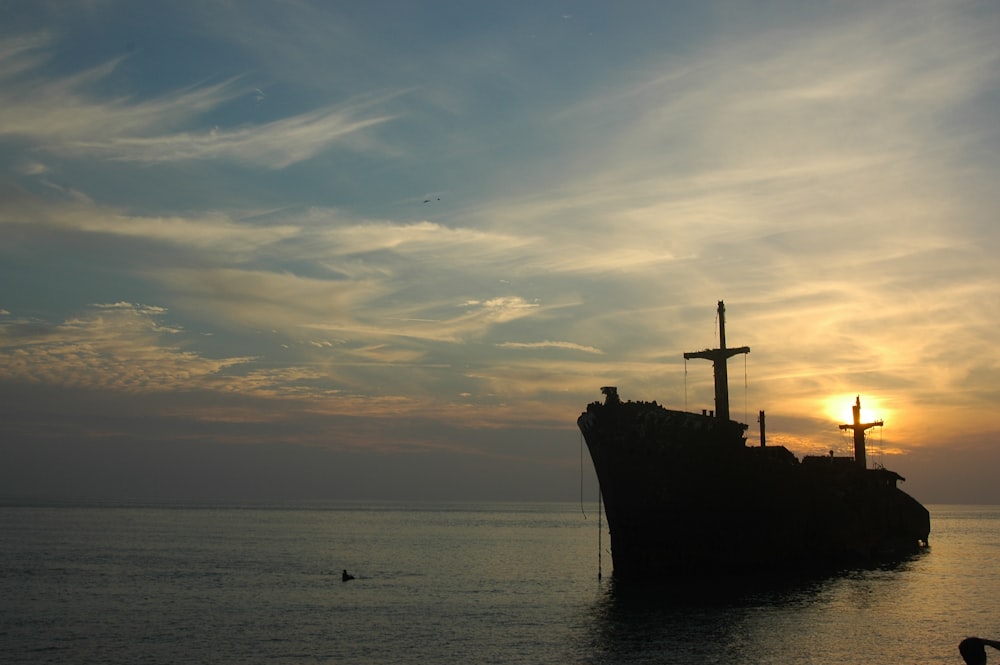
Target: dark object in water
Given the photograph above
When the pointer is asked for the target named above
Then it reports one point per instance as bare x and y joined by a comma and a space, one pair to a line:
684, 494
345, 577
973, 649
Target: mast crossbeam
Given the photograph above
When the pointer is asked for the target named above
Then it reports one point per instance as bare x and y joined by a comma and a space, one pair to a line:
719, 357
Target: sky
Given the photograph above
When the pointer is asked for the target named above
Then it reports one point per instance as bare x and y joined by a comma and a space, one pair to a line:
292, 250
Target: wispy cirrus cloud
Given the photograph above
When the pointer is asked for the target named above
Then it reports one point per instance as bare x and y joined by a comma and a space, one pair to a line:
273, 145
58, 108
365, 310
548, 344
215, 231
63, 115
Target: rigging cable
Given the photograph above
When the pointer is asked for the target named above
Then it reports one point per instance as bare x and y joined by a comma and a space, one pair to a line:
600, 500
685, 384
581, 477
745, 387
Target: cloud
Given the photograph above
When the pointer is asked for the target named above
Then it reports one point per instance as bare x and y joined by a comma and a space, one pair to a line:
502, 309
422, 240
32, 168
264, 300
213, 231
828, 173
63, 116
274, 145
115, 346
351, 275
125, 349
56, 110
769, 130
22, 54
550, 345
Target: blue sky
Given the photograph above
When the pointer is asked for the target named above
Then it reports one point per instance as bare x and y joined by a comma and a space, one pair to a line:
392, 249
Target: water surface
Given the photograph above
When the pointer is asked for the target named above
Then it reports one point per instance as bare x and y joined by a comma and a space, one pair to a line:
449, 583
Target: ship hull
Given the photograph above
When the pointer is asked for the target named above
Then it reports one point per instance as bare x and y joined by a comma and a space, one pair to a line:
684, 495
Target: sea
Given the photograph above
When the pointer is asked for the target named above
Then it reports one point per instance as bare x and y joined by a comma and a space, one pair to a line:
451, 583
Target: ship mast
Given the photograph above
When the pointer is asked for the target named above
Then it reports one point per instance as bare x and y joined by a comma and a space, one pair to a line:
719, 357
859, 433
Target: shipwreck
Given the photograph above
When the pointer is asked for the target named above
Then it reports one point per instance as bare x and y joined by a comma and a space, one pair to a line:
685, 494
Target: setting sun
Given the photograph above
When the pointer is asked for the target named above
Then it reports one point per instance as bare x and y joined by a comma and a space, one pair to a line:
840, 409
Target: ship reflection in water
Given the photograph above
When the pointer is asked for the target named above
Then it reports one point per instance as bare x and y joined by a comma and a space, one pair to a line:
685, 495
817, 619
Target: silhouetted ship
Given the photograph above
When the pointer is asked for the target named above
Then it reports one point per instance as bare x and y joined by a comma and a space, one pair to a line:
685, 495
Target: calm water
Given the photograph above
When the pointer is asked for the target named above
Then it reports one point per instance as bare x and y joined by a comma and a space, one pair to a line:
492, 583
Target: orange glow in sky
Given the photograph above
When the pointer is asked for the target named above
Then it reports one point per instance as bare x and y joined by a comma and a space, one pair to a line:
428, 240
839, 408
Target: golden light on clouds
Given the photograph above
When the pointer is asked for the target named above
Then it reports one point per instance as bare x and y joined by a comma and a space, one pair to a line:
830, 174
